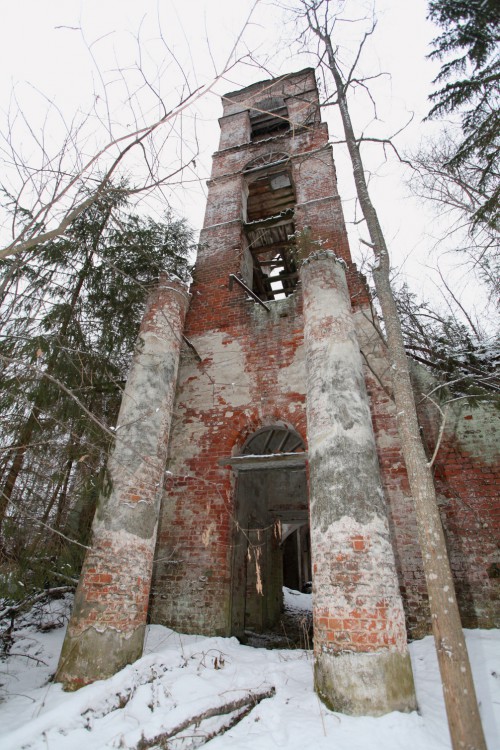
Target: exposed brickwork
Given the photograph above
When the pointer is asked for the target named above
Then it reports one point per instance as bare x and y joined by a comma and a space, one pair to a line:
467, 479
394, 478
109, 615
357, 606
253, 372
467, 474
105, 593
218, 407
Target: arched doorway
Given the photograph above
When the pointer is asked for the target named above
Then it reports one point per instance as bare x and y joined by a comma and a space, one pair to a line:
271, 504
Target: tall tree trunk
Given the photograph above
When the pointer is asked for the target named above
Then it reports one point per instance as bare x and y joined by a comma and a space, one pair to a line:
460, 698
18, 453
63, 495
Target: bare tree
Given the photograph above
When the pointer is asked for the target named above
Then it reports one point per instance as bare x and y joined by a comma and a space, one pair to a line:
320, 17
462, 356
456, 197
53, 171
137, 138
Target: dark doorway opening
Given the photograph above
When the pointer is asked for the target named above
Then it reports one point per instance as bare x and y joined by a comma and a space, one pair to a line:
271, 540
296, 545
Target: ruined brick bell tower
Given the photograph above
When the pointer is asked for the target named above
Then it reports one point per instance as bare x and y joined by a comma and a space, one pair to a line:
271, 432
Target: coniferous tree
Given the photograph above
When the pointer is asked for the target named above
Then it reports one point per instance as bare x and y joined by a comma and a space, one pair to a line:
471, 78
70, 312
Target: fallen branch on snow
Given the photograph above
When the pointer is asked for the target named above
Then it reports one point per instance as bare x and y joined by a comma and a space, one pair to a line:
235, 711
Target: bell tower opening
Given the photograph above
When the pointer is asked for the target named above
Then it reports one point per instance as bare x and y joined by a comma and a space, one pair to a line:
269, 227
268, 118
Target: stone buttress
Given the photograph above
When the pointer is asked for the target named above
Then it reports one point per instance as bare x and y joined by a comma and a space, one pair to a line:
362, 664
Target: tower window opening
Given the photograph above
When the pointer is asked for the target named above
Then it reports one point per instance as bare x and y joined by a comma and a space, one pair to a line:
269, 231
269, 118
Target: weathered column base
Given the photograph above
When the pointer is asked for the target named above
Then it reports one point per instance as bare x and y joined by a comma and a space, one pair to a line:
111, 600
365, 684
99, 655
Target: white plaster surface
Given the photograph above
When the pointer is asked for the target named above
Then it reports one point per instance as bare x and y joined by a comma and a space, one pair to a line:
379, 582
221, 382
223, 378
293, 377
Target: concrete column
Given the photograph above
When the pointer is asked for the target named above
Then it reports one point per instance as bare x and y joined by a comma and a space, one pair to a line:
362, 665
106, 630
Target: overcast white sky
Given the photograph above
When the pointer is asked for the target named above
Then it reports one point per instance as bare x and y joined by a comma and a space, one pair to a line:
66, 48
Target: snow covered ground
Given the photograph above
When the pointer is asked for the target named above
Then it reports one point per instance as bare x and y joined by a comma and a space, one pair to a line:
181, 677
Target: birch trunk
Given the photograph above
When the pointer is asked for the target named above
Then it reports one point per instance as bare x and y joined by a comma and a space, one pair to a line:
460, 698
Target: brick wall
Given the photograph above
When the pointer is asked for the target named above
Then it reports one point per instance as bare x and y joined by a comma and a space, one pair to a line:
467, 476
251, 374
